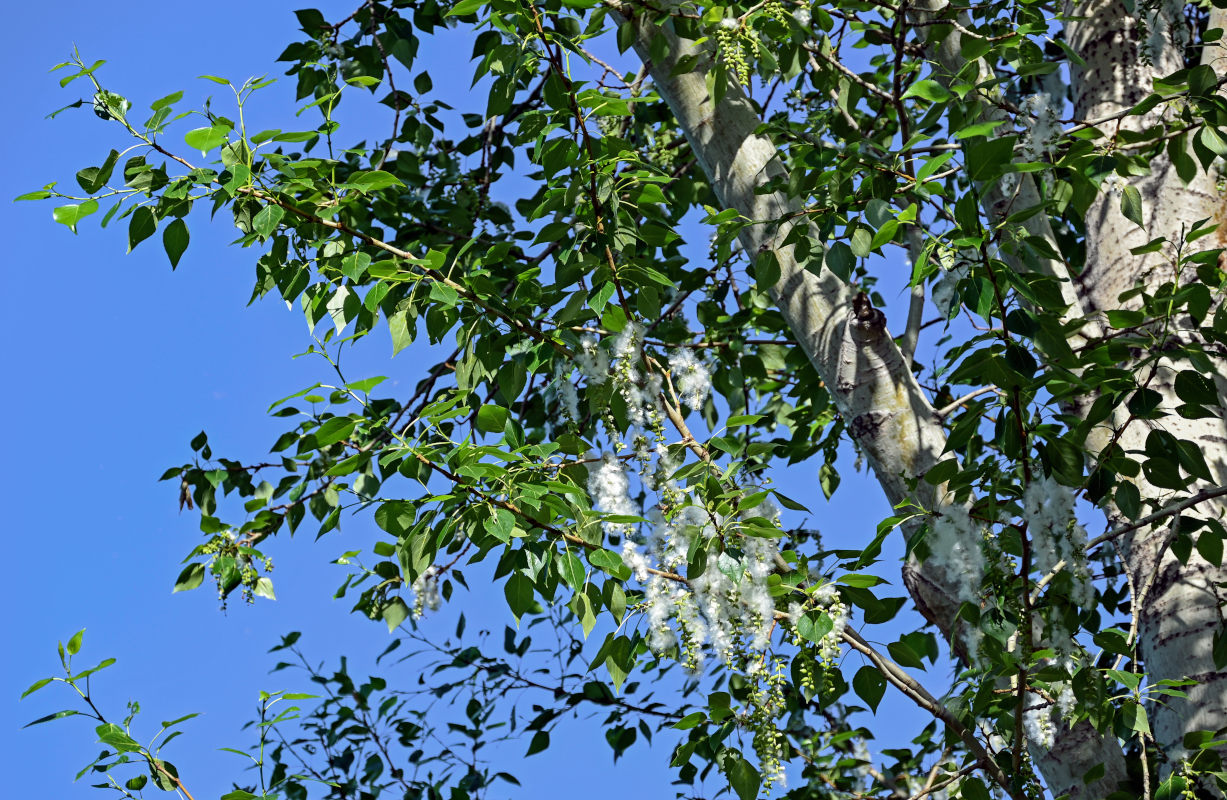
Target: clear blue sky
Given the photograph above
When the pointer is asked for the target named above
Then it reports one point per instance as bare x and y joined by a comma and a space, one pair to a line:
118, 362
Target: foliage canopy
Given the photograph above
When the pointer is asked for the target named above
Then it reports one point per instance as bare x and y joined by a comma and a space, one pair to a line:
604, 405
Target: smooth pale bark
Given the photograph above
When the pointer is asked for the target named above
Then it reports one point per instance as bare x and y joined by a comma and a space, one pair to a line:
1077, 749
888, 414
847, 342
1181, 607
845, 339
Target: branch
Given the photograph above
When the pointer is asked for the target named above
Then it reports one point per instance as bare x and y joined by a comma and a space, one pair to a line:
916, 306
950, 409
905, 683
1174, 508
423, 271
570, 538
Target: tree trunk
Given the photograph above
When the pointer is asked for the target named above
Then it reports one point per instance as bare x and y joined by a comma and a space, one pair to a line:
868, 377
1179, 607
892, 420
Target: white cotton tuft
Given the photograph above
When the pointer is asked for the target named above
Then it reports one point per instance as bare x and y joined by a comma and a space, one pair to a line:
1056, 536
609, 488
636, 560
592, 360
426, 592
626, 345
1165, 23
690, 376
1036, 722
1041, 120
956, 544
567, 394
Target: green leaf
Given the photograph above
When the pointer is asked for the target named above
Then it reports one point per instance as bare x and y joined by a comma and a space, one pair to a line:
828, 480
840, 260
861, 581
581, 604
1153, 246
743, 777
111, 734
34, 687
294, 137
1174, 787
1213, 140
265, 223
365, 385
170, 99
572, 570
904, 655
394, 613
1131, 205
1134, 717
141, 226
1124, 318
106, 662
988, 159
354, 266
444, 294
74, 644
978, 129
491, 419
374, 180
93, 179
869, 685
73, 213
51, 717
1129, 499
519, 593
814, 626
1193, 387
465, 7
690, 720
205, 139
928, 90
539, 742
610, 562
862, 242
334, 430
190, 578
972, 788
941, 472
1210, 546
402, 334
264, 588
931, 166
175, 237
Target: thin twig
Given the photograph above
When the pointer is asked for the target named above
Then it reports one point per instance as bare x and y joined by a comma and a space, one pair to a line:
950, 409
1174, 508
916, 304
914, 691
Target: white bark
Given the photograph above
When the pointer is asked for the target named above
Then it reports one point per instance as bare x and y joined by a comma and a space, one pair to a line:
1183, 607
847, 342
1078, 749
886, 411
890, 417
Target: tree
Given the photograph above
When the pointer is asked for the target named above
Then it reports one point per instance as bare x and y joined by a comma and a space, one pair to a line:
607, 407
